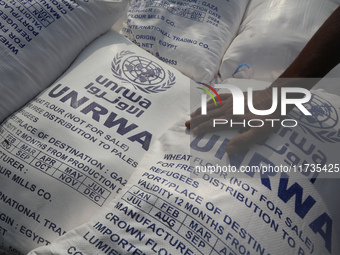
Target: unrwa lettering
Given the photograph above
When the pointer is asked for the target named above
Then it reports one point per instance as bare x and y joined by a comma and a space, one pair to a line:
120, 105
108, 87
98, 111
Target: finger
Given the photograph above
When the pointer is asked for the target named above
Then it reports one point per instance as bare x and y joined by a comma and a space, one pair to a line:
196, 112
222, 97
244, 141
211, 105
212, 114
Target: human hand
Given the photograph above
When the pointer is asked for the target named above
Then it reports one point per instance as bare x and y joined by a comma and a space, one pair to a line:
262, 100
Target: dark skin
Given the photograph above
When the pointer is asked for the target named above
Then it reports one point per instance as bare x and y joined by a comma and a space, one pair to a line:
319, 56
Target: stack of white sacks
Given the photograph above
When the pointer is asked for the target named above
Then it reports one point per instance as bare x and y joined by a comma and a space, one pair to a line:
101, 162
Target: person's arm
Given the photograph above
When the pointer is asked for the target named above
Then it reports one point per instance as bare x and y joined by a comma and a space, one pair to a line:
320, 55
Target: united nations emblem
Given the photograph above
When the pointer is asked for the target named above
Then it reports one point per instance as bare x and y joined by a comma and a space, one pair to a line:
321, 124
143, 73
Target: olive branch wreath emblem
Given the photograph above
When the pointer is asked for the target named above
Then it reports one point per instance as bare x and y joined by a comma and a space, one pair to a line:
323, 135
117, 72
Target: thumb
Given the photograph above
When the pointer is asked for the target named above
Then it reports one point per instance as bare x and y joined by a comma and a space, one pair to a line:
243, 141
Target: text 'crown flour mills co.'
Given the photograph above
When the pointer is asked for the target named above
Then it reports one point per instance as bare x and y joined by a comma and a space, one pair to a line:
40, 39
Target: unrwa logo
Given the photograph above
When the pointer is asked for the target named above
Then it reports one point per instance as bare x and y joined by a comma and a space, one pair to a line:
323, 122
323, 114
143, 73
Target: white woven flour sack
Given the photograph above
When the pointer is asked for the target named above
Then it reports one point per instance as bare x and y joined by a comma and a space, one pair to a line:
189, 197
39, 39
71, 150
192, 36
272, 34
